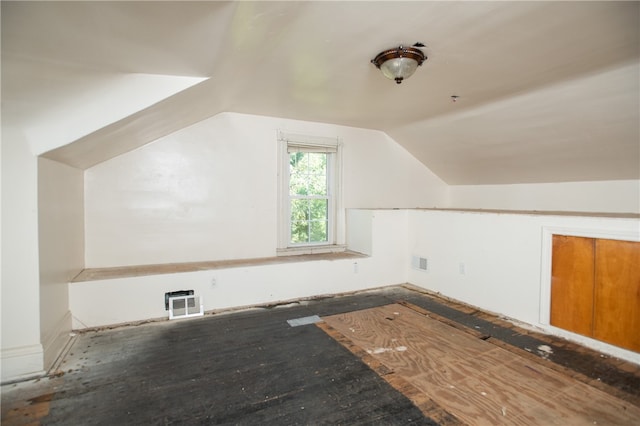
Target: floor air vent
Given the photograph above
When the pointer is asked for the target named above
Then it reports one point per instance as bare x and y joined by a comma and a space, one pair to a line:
185, 306
174, 294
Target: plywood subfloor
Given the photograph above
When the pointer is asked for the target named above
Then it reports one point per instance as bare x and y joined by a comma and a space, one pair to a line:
473, 379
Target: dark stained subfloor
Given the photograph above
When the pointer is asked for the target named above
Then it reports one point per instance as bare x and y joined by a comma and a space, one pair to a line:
252, 367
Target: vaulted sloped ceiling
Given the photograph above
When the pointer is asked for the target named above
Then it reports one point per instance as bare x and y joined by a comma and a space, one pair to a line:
549, 91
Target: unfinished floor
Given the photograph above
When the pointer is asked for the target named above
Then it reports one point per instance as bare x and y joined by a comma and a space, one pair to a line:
390, 356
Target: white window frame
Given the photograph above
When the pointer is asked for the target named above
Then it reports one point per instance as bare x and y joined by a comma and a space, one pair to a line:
335, 225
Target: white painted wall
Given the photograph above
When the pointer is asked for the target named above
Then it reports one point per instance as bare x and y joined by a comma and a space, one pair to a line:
622, 196
93, 102
500, 262
61, 247
203, 193
380, 173
209, 191
359, 231
21, 349
98, 303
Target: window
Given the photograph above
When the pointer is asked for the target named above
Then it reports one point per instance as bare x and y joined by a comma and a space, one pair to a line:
309, 196
308, 192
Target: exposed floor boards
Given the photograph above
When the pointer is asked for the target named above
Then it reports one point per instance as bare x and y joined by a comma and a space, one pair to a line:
251, 367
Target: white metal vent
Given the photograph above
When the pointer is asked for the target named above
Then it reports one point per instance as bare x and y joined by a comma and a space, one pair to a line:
185, 306
419, 263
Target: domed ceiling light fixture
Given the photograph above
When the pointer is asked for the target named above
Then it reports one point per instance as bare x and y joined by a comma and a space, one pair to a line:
400, 62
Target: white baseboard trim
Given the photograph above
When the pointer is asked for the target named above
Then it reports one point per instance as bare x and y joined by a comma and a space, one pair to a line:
22, 363
56, 340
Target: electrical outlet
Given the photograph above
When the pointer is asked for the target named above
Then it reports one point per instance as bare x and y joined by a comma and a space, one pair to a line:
462, 268
355, 267
214, 282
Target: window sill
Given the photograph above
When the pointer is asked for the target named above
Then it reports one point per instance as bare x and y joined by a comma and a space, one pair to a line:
320, 249
109, 273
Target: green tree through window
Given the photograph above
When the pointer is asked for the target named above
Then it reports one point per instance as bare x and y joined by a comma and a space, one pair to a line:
308, 197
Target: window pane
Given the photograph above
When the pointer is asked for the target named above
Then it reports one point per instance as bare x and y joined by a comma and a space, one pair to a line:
298, 161
317, 185
298, 184
308, 197
317, 161
308, 173
318, 209
318, 231
300, 210
299, 231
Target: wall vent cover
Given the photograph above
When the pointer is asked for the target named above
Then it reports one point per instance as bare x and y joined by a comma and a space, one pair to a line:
419, 263
173, 294
185, 306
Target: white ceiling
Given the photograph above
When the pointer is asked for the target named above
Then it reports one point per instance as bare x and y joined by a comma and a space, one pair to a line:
549, 91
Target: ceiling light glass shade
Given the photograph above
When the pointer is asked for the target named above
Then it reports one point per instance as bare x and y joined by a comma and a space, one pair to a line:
399, 68
399, 63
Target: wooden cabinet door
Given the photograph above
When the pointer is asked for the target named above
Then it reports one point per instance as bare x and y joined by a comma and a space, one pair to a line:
617, 293
572, 284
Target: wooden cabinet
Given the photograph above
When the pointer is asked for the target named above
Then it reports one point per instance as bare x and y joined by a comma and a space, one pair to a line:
572, 272
595, 289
